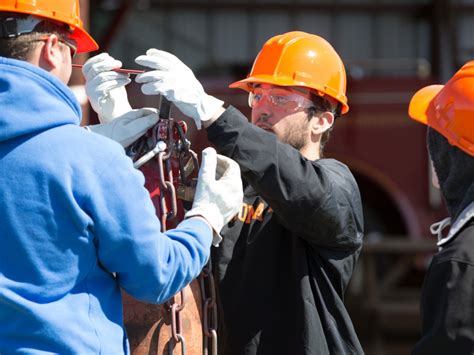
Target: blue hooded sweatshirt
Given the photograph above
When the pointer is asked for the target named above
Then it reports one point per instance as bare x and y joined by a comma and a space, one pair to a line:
76, 225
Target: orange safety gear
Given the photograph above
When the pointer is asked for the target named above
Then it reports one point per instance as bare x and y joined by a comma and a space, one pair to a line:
449, 109
299, 59
63, 11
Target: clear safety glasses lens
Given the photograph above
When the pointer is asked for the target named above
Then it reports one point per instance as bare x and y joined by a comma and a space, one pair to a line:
71, 44
279, 98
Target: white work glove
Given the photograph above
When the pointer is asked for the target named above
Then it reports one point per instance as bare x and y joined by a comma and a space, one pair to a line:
127, 128
175, 81
219, 191
106, 88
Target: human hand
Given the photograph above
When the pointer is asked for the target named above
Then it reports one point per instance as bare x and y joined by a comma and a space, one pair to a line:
127, 128
106, 88
175, 81
219, 191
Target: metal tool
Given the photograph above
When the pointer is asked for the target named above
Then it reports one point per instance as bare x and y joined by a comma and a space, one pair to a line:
118, 70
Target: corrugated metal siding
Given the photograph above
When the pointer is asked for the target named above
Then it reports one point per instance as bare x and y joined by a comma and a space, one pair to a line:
221, 34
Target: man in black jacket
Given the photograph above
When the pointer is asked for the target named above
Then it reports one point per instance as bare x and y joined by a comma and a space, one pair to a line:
447, 301
285, 262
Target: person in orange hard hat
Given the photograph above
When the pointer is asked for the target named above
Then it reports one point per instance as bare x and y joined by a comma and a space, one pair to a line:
77, 224
285, 261
27, 23
447, 300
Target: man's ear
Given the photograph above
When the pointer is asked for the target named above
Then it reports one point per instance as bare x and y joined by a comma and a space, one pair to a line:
50, 56
321, 122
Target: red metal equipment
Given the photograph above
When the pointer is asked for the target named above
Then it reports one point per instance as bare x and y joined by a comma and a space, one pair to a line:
186, 323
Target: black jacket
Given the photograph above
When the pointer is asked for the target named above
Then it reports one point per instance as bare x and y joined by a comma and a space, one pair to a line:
284, 263
447, 298
447, 302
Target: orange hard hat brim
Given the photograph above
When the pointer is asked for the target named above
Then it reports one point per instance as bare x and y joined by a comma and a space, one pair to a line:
419, 104
85, 43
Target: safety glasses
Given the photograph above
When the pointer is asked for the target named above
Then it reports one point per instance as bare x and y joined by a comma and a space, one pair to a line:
66, 41
71, 44
281, 98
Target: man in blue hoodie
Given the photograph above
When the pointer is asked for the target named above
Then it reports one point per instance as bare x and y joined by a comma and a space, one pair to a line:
76, 222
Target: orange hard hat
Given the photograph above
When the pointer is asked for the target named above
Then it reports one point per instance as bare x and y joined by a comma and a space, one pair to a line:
449, 109
63, 11
299, 59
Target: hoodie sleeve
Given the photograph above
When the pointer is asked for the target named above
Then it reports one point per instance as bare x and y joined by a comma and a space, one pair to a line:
150, 265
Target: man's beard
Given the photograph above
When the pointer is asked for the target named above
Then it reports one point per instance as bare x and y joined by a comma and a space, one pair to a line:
296, 135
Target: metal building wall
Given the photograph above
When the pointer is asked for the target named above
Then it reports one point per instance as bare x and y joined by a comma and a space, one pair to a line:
374, 37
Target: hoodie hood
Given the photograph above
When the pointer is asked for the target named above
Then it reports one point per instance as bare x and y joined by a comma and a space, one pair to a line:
32, 100
455, 171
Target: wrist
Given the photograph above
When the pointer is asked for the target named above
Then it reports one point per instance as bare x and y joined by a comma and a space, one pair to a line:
202, 219
210, 219
209, 107
214, 117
